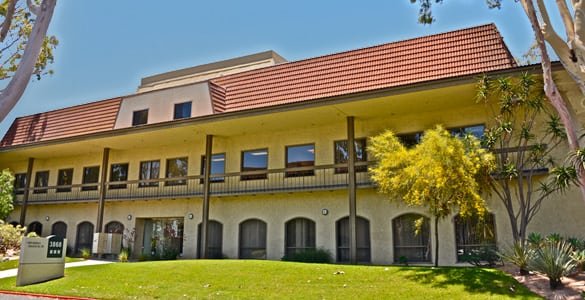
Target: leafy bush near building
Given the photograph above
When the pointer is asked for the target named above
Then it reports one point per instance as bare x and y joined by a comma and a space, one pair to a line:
482, 257
123, 256
310, 256
10, 237
85, 253
519, 255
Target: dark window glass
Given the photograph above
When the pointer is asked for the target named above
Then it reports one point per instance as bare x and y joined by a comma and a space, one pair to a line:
214, 240
217, 167
362, 239
149, 170
254, 160
341, 155
300, 156
300, 236
59, 229
19, 183
35, 227
409, 243
253, 239
140, 117
118, 172
84, 239
41, 180
475, 130
410, 140
473, 234
90, 175
182, 110
64, 178
177, 167
115, 227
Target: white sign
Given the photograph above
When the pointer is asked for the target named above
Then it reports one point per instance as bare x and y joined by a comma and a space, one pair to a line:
41, 259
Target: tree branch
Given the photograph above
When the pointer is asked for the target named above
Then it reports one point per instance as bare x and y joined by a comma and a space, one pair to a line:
34, 9
19, 81
7, 20
567, 19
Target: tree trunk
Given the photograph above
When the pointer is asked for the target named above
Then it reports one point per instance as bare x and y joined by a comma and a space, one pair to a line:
436, 241
15, 88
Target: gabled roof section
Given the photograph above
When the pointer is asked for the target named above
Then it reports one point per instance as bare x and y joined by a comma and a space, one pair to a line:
76, 120
462, 52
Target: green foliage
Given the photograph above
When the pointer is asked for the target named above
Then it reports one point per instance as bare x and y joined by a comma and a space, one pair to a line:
6, 195
169, 254
10, 237
519, 255
554, 260
85, 253
32, 234
123, 256
482, 257
443, 173
425, 14
535, 240
322, 256
578, 257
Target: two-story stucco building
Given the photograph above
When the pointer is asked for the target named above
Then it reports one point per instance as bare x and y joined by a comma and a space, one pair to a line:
249, 157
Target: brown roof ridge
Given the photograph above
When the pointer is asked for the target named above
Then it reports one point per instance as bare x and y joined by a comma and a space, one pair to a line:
424, 37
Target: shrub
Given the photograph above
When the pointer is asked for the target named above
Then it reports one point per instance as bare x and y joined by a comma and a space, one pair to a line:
576, 244
554, 238
123, 256
85, 253
579, 258
310, 256
169, 254
535, 240
32, 234
482, 257
10, 237
519, 255
554, 260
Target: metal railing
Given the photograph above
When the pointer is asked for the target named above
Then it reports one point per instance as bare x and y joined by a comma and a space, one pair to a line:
325, 177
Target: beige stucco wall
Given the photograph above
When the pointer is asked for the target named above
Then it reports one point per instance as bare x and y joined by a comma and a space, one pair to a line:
161, 103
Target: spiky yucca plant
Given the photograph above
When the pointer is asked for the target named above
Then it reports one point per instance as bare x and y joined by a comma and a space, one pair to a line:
579, 258
519, 255
554, 260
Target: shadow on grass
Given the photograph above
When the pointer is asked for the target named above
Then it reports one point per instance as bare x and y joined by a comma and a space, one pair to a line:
473, 280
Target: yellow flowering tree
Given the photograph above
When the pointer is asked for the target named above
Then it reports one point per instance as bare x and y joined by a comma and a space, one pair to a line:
442, 172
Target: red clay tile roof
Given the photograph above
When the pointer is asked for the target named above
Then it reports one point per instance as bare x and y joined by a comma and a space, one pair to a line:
71, 121
462, 52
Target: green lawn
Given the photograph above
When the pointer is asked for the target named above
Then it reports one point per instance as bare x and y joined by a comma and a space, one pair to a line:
241, 279
11, 264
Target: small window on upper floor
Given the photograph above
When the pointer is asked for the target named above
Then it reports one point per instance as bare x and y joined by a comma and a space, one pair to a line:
182, 110
140, 117
475, 130
20, 183
64, 180
91, 176
118, 172
41, 181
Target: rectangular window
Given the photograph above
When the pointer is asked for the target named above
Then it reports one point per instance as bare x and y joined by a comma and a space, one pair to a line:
341, 154
217, 167
140, 117
182, 110
410, 140
149, 170
475, 130
177, 167
20, 183
91, 175
41, 180
300, 156
254, 160
118, 172
64, 178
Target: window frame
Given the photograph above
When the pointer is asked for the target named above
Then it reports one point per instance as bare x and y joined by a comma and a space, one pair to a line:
396, 235
212, 179
142, 184
59, 183
358, 169
121, 185
84, 179
493, 245
39, 189
260, 176
177, 181
20, 178
298, 173
135, 113
181, 104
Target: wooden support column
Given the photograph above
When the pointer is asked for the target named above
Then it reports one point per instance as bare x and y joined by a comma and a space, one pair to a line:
206, 186
27, 187
351, 190
102, 190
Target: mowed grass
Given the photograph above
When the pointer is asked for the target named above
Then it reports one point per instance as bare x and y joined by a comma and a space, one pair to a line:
12, 264
246, 279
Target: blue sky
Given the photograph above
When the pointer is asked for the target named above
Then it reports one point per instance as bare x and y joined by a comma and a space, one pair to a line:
106, 46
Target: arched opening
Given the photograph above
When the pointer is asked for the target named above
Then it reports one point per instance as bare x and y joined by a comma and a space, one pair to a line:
299, 236
35, 227
473, 234
114, 227
411, 237
253, 239
84, 239
59, 229
214, 240
362, 237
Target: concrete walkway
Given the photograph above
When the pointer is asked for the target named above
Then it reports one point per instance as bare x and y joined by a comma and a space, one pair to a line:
88, 262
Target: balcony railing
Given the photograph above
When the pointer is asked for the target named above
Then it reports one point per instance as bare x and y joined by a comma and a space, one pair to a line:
313, 178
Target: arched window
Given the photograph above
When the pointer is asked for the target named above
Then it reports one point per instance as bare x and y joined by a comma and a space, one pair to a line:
299, 236
214, 240
59, 229
35, 227
473, 234
363, 240
253, 239
411, 236
115, 227
84, 239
